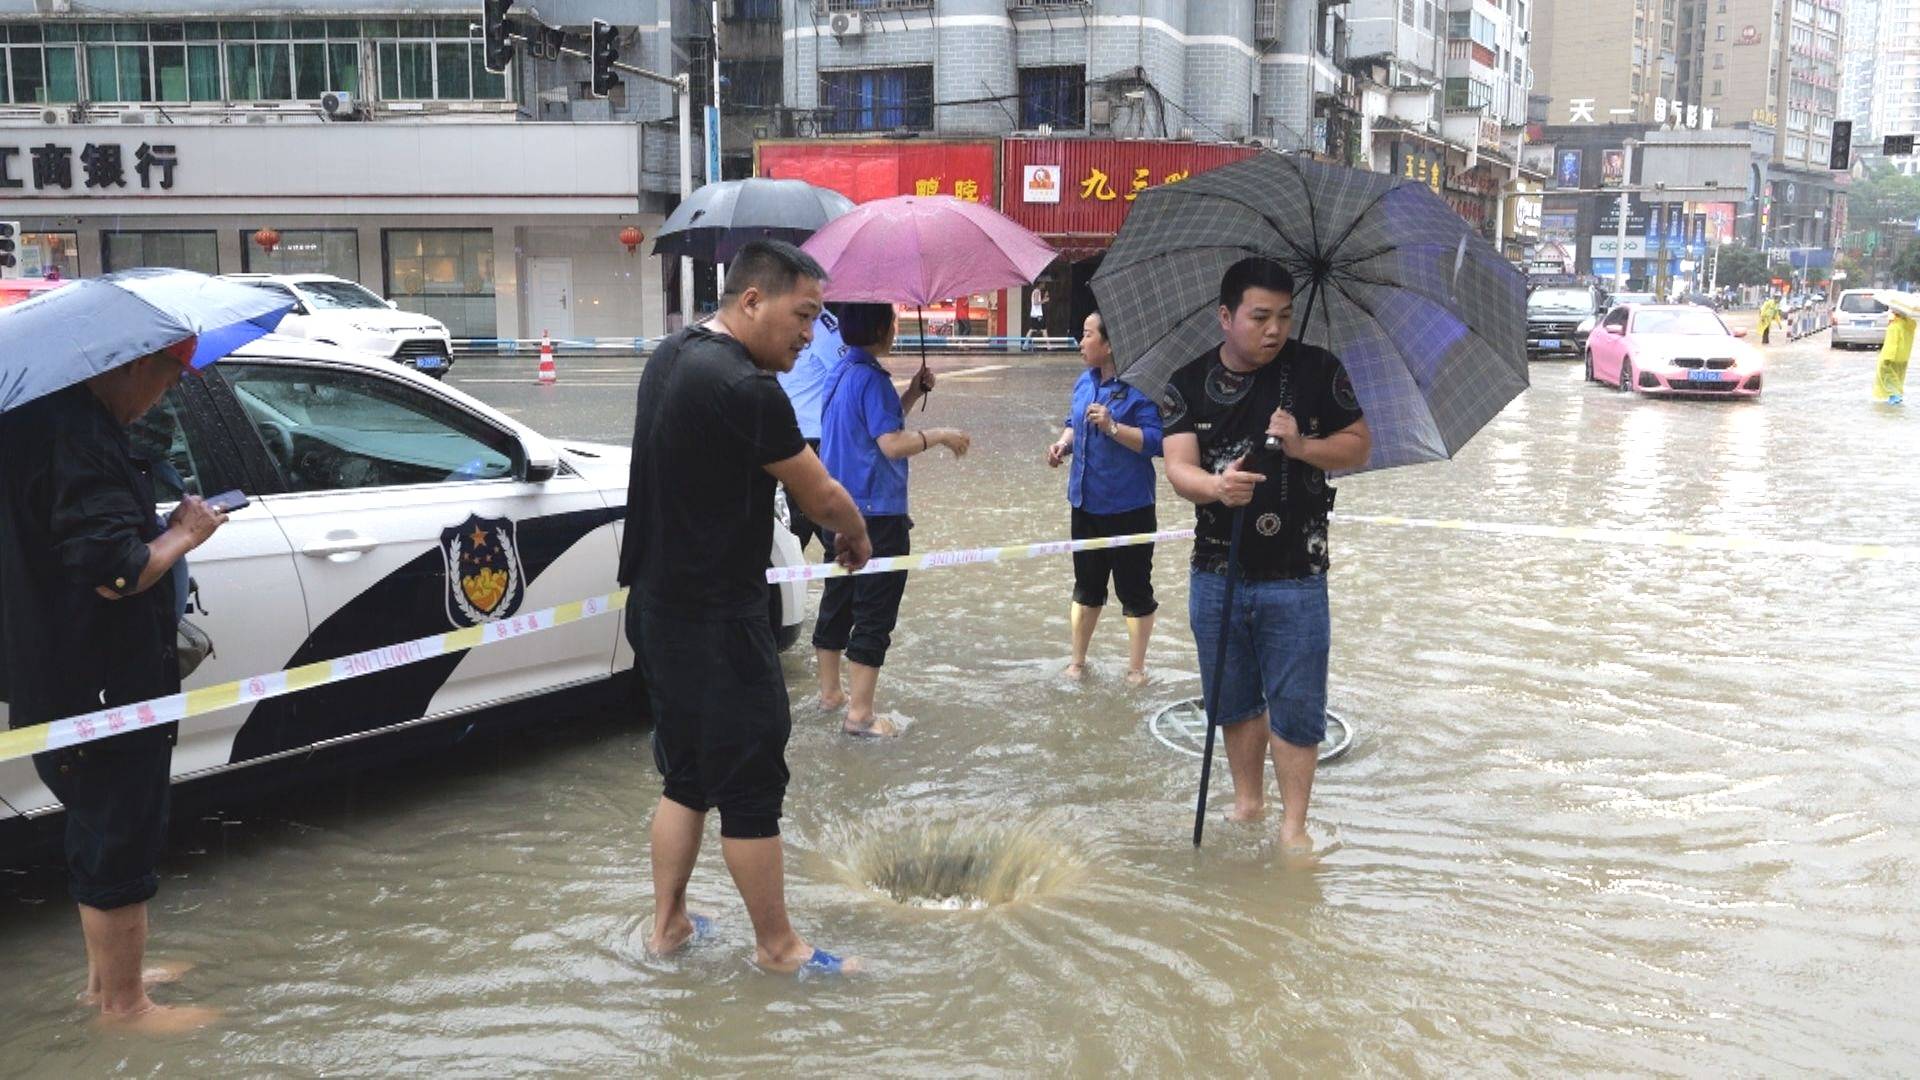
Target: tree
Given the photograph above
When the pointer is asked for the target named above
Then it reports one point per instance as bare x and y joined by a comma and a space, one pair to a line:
1906, 268
1741, 265
1884, 195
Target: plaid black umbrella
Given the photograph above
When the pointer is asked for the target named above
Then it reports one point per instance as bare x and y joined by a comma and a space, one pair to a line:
1429, 320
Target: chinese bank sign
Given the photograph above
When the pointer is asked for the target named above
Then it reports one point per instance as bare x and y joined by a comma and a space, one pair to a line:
92, 166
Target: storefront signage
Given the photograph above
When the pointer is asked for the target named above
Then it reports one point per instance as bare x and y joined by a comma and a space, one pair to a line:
1665, 113
865, 171
1413, 161
1040, 184
1605, 246
1094, 182
100, 166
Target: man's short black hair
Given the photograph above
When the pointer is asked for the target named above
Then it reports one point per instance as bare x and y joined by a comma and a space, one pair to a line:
772, 266
1103, 322
1253, 272
864, 325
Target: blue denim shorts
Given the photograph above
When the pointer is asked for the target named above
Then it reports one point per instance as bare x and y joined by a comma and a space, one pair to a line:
1277, 644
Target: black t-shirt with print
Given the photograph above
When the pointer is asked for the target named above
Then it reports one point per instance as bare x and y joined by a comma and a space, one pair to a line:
699, 499
1285, 530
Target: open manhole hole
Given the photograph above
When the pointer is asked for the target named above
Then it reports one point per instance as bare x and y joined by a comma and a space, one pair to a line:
1182, 726
964, 866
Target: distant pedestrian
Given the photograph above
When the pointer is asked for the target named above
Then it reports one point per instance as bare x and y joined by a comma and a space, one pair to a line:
865, 444
1037, 311
1890, 378
1769, 314
88, 620
1112, 436
805, 385
1219, 411
712, 433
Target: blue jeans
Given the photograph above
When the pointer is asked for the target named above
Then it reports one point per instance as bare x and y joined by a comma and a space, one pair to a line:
1277, 644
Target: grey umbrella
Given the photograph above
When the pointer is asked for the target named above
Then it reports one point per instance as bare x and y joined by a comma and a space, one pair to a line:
718, 219
1429, 320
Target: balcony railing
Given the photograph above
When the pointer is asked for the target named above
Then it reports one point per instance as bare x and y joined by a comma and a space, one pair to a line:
829, 7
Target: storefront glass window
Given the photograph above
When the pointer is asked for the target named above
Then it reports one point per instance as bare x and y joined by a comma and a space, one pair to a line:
181, 250
445, 273
304, 251
41, 252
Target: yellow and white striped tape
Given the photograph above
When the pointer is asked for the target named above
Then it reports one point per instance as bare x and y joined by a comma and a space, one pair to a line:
106, 723
24, 742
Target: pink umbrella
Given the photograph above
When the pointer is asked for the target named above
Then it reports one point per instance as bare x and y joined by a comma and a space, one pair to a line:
914, 249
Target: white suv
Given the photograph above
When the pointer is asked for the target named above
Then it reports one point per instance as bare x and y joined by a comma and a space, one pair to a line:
336, 311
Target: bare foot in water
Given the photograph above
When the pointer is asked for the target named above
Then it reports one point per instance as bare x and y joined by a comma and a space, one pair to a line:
167, 971
832, 702
801, 955
1075, 672
872, 727
1295, 843
1136, 679
1242, 814
679, 931
160, 1019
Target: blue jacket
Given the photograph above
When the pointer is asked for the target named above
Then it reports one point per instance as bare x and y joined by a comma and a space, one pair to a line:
859, 406
1104, 477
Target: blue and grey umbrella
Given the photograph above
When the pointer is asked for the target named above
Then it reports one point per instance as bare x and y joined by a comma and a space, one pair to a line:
1428, 319
72, 333
720, 218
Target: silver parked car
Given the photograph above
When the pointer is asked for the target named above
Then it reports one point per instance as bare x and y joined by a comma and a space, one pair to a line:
1858, 320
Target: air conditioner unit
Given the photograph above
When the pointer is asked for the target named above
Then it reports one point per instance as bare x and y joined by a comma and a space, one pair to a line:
846, 24
55, 116
136, 116
339, 105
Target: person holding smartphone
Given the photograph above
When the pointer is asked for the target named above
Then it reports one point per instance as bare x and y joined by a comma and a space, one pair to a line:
1112, 434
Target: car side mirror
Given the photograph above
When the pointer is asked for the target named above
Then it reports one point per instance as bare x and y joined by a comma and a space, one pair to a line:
394, 304
542, 457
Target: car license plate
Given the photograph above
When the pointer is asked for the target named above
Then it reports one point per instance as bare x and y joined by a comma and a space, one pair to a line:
1703, 376
429, 363
1550, 343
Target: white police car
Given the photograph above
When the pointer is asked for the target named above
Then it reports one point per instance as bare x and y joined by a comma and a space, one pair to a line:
385, 507
335, 311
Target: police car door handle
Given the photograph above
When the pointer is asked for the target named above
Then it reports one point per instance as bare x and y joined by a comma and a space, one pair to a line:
340, 546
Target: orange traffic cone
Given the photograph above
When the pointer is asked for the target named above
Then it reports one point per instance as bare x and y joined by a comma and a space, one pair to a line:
548, 374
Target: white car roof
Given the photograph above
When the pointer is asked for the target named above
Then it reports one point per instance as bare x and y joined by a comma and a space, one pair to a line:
288, 279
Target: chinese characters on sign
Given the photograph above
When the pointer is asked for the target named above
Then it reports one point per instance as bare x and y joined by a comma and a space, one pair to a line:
1666, 113
102, 167
968, 190
1419, 163
1097, 186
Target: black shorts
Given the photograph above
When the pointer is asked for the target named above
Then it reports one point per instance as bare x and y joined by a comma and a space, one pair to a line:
1130, 567
116, 793
720, 719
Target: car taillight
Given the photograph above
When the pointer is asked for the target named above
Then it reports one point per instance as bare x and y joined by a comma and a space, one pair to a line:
1833, 318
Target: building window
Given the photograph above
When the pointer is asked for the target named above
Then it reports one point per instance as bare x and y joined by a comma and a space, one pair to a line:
1719, 61
445, 273
41, 73
1055, 96
878, 100
305, 251
751, 84
1717, 88
1406, 12
180, 250
44, 251
1720, 32
1468, 94
433, 59
245, 60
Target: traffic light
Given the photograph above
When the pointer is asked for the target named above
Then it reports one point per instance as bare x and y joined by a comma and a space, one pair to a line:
1896, 145
605, 50
9, 248
499, 47
1842, 145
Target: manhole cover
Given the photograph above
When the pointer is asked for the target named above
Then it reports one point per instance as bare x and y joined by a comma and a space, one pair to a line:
1182, 726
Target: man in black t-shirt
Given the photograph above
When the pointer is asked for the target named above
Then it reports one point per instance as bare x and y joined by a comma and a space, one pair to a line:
712, 433
1219, 411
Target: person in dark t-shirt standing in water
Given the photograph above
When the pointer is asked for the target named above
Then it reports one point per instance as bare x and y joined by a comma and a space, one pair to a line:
712, 433
1218, 412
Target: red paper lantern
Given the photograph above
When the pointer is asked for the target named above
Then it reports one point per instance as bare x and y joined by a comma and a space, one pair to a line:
632, 237
268, 239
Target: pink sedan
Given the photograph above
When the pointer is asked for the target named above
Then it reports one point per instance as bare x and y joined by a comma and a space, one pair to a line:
1679, 349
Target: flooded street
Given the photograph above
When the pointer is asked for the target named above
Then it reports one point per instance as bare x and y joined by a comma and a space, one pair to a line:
1608, 809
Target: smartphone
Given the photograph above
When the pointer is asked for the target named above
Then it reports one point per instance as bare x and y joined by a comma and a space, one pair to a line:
228, 501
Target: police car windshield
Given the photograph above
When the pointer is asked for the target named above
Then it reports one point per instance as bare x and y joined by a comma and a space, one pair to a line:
337, 296
1560, 300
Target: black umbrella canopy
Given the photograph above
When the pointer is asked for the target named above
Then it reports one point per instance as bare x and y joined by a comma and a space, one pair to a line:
717, 220
1429, 320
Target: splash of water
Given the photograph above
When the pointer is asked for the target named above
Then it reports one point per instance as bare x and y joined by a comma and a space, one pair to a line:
963, 866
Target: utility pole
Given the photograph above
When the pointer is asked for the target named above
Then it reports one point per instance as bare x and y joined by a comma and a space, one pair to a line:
686, 190
1620, 233
713, 141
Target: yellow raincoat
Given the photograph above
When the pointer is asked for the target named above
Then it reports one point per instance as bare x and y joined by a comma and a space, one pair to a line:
1889, 382
1769, 315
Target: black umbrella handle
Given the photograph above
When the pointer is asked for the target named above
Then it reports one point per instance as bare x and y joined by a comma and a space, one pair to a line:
1219, 672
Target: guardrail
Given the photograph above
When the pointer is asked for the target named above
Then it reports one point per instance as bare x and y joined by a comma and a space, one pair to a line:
1007, 343
1805, 321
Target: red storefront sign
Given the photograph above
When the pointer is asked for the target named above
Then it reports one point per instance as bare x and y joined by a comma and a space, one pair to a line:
865, 171
1081, 189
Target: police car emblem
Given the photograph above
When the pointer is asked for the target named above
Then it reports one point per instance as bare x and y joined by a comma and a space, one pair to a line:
484, 579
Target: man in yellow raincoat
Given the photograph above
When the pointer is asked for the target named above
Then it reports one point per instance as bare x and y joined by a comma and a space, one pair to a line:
1890, 380
1769, 314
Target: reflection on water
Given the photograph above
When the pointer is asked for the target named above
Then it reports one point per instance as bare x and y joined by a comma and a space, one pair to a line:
1609, 816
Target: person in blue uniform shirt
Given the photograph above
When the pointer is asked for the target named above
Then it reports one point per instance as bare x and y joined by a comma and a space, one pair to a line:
865, 444
1111, 437
805, 385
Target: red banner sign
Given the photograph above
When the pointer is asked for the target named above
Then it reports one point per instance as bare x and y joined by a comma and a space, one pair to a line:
1084, 187
865, 171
